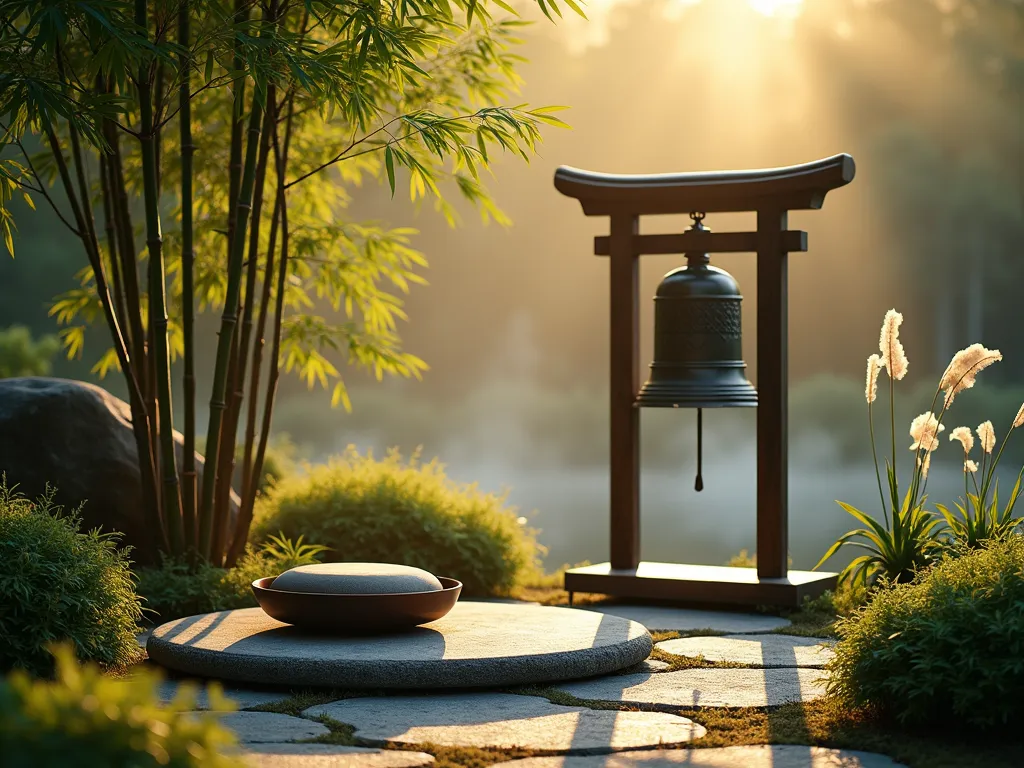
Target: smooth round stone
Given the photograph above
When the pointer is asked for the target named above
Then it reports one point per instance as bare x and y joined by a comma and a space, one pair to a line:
754, 650
761, 756
475, 645
356, 579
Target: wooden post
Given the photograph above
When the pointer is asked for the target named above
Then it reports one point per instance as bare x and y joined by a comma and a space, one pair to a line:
772, 395
624, 379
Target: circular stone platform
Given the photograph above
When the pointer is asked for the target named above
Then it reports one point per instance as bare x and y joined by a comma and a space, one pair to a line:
476, 645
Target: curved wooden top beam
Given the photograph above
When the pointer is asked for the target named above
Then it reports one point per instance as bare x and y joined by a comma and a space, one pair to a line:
794, 187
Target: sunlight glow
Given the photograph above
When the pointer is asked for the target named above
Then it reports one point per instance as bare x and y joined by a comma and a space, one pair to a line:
773, 8
776, 7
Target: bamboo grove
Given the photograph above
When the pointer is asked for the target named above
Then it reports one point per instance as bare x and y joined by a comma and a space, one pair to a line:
204, 154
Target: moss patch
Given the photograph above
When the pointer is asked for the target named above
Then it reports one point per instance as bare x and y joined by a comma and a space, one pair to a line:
821, 723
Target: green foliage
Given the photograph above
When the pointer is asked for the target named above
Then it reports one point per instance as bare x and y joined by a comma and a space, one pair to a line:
375, 91
315, 97
60, 585
975, 522
89, 720
175, 589
945, 649
21, 355
390, 510
912, 536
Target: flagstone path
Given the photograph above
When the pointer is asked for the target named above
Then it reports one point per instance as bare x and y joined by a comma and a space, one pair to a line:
754, 650
658, 617
703, 688
776, 756
332, 756
505, 720
592, 734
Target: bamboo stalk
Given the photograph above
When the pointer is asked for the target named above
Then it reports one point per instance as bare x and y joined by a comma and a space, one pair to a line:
170, 491
249, 497
139, 422
188, 471
224, 460
229, 319
226, 471
111, 237
126, 247
130, 280
257, 360
241, 13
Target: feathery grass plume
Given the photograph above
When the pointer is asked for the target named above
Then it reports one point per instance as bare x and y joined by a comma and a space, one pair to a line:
1019, 419
871, 386
962, 370
965, 436
987, 436
970, 466
925, 429
893, 357
925, 463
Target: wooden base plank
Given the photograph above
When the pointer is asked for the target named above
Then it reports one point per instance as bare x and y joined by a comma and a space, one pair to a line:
699, 584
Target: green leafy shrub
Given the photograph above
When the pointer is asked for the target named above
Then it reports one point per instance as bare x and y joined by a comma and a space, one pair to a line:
948, 645
21, 355
173, 589
390, 510
89, 720
58, 585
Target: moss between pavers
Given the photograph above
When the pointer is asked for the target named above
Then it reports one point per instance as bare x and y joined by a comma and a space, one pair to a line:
818, 723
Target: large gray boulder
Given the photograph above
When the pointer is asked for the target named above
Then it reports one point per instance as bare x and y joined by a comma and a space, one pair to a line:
78, 438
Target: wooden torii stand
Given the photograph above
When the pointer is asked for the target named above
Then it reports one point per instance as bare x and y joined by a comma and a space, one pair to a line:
771, 193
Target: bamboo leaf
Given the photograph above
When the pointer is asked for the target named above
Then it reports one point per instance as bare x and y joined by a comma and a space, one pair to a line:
389, 162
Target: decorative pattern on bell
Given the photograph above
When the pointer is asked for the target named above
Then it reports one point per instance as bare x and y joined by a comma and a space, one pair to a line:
698, 349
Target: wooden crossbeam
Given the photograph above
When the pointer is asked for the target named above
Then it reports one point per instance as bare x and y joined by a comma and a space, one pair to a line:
793, 241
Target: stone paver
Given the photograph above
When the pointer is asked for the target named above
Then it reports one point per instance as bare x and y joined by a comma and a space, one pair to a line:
704, 687
505, 720
649, 665
776, 756
686, 620
331, 756
475, 645
243, 698
269, 727
754, 650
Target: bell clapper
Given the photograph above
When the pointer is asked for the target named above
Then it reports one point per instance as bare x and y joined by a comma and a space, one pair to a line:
698, 484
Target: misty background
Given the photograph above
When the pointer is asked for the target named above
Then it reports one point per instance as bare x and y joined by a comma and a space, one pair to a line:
928, 97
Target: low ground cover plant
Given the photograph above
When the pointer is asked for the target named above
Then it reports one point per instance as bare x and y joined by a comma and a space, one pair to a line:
61, 585
87, 719
910, 537
949, 645
403, 511
176, 589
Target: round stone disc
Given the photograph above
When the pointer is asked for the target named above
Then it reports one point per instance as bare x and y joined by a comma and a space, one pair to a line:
356, 579
477, 644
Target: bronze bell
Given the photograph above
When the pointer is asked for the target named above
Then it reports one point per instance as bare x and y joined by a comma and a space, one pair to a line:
698, 352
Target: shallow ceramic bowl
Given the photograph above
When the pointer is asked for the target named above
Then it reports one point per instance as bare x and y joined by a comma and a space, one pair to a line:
356, 614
